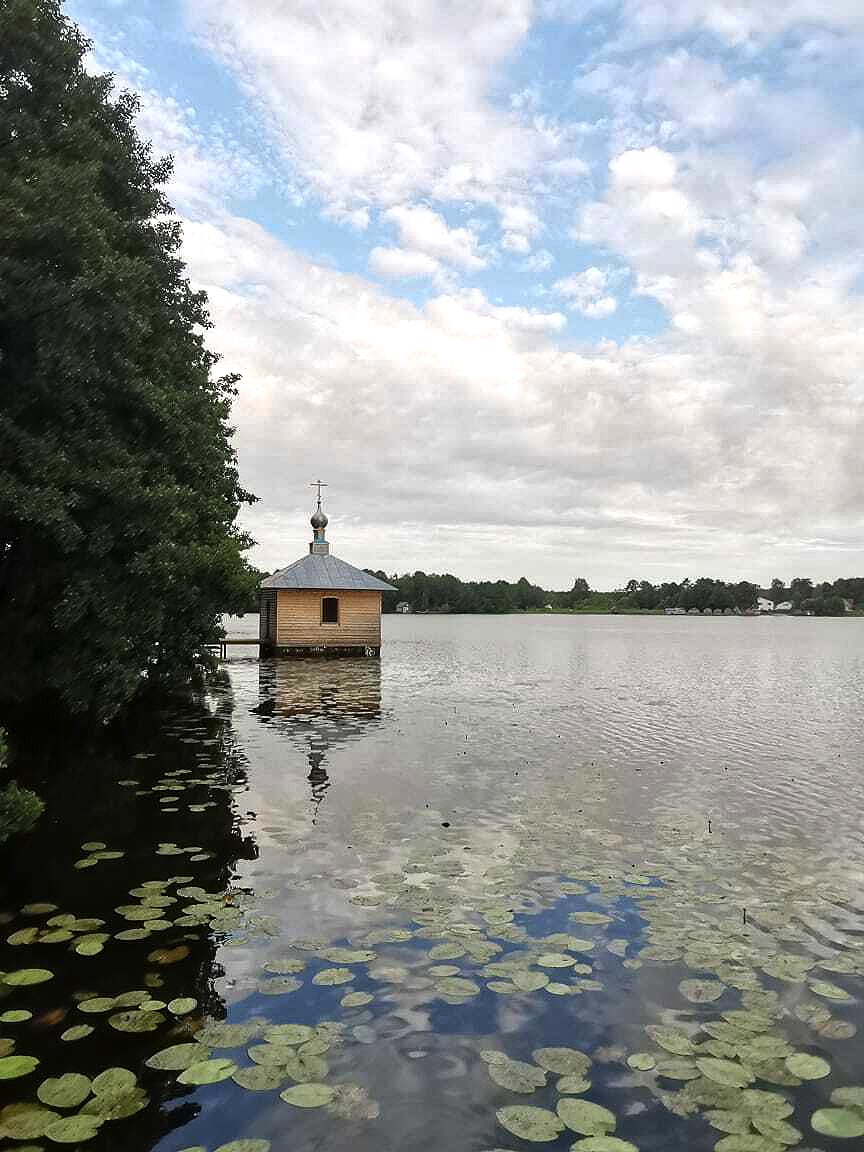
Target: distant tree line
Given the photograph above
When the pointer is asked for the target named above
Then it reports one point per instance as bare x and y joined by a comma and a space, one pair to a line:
426, 592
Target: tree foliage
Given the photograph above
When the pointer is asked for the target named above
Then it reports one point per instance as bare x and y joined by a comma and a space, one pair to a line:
118, 483
19, 807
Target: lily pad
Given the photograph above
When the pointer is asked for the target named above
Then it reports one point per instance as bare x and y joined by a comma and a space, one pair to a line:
308, 1095
25, 977
572, 1085
516, 1075
328, 977
820, 987
701, 991
259, 1077
807, 1067
117, 1104
114, 1080
25, 1121
182, 1006
585, 1117
66, 1091
15, 1016
244, 1146
725, 1072
177, 1057
535, 1124
641, 1061
208, 1072
842, 1123
563, 1061
603, 1144
678, 1043
11, 1067
356, 999
74, 1129
76, 1032
136, 1021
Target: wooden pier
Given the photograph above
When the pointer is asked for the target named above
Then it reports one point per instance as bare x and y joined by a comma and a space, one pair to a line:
222, 645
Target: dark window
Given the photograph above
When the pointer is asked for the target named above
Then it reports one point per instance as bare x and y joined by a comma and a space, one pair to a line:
330, 610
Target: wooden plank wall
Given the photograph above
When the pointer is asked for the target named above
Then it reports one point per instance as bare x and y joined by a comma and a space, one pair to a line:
266, 598
298, 619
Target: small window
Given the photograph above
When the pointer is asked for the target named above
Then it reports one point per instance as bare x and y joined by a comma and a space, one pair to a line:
330, 610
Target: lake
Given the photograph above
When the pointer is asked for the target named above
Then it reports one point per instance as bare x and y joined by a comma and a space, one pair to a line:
528, 882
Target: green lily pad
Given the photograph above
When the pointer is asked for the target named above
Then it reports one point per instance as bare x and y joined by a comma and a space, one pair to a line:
25, 977
308, 1095
356, 999
725, 1072
530, 981
15, 1016
66, 1091
820, 987
677, 1068
457, 988
516, 1075
446, 952
572, 1085
701, 991
216, 1035
244, 1146
259, 1077
25, 1121
74, 1129
670, 1039
641, 1061
114, 1080
603, 1144
851, 1097
556, 960
76, 1032
136, 1021
11, 1067
563, 1061
306, 1069
726, 1120
585, 1117
208, 1072
807, 1067
535, 1124
842, 1123
328, 977
38, 909
117, 1104
177, 1057
182, 1006
97, 1004
749, 1142
777, 1130
288, 1033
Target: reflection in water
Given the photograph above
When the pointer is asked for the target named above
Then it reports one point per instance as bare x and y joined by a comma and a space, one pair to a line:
514, 854
324, 703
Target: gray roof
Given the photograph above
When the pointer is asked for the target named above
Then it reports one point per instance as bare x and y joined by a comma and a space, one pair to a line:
327, 572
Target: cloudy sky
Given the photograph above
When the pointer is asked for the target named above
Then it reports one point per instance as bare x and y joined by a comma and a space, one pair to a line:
570, 287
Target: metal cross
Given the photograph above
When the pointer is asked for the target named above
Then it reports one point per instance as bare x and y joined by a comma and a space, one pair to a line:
319, 484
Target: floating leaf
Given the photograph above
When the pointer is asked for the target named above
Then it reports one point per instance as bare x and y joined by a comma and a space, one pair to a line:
15, 1016
217, 1035
678, 1043
114, 1080
117, 1104
328, 977
73, 1129
97, 1004
701, 991
641, 1061
11, 1067
259, 1077
820, 987
807, 1067
678, 1068
244, 1146
564, 1061
25, 1121
535, 1124
136, 1021
306, 1069
603, 1144
177, 1057
288, 1033
356, 999
457, 988
78, 1032
182, 1006
852, 1097
208, 1072
725, 1072
572, 1085
842, 1123
585, 1117
556, 960
66, 1091
516, 1075
308, 1095
25, 977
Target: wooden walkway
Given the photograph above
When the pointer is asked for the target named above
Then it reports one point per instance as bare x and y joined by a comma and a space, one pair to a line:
222, 645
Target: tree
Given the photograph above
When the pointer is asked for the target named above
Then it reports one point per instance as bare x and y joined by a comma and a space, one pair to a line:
777, 594
19, 807
581, 590
118, 483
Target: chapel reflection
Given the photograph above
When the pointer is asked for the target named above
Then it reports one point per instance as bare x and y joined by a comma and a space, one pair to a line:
323, 703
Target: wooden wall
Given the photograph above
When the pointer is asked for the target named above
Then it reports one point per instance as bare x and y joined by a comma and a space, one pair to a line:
298, 619
267, 615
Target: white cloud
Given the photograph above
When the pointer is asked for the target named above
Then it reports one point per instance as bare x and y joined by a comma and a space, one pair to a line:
422, 230
588, 292
377, 104
402, 264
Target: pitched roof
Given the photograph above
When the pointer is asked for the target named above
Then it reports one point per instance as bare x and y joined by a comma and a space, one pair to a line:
325, 572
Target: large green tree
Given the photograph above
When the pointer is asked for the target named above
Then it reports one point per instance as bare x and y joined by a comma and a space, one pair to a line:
118, 484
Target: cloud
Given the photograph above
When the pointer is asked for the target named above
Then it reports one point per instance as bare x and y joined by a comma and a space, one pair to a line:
588, 292
402, 264
374, 104
422, 230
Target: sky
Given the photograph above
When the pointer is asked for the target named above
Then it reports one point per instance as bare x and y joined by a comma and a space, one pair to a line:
550, 289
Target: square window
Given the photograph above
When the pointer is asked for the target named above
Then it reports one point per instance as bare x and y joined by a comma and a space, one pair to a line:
330, 610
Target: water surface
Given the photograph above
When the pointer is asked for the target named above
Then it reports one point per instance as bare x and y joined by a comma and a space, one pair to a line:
573, 815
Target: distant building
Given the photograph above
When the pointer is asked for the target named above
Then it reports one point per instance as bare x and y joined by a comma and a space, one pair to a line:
319, 605
404, 608
784, 606
764, 604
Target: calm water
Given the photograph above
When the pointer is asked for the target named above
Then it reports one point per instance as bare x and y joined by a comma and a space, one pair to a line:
572, 815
